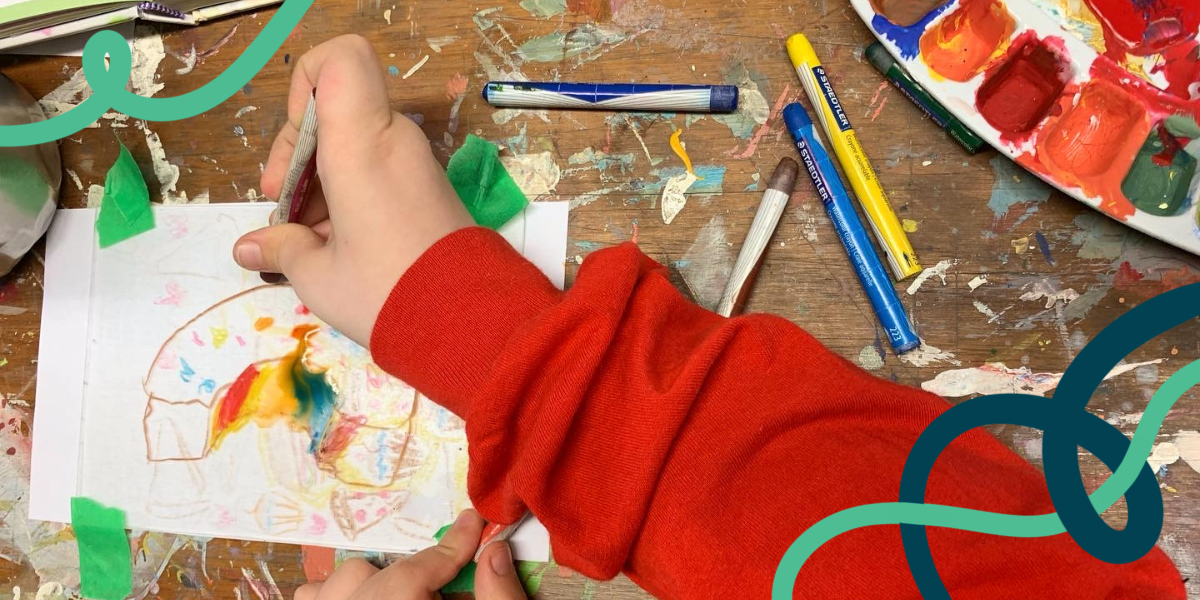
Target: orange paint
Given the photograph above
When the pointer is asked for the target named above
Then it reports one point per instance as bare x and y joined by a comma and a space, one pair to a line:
263, 323
961, 45
1094, 142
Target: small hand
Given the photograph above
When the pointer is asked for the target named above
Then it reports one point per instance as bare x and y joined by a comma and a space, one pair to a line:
420, 576
381, 198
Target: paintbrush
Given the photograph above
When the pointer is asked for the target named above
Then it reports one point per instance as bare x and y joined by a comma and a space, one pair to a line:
749, 260
297, 183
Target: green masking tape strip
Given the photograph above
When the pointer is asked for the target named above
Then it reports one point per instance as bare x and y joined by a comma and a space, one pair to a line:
483, 185
529, 572
105, 566
125, 210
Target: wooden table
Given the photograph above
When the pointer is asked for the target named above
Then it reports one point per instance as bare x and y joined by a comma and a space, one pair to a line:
1056, 272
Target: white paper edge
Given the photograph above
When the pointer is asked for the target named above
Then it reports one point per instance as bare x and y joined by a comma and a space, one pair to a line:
58, 410
70, 245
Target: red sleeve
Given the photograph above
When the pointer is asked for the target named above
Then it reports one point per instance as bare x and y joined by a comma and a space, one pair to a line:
654, 437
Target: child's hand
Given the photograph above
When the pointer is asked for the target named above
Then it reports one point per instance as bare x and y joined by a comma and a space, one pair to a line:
383, 199
422, 575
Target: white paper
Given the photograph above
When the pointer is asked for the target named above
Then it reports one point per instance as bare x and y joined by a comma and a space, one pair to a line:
71, 44
172, 327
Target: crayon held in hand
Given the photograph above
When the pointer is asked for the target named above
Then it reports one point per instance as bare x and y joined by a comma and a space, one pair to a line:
816, 162
858, 170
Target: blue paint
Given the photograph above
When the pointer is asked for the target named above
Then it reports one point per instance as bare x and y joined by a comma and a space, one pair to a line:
393, 71
1044, 246
207, 386
752, 187
185, 373
1014, 185
588, 246
712, 179
681, 264
381, 455
316, 399
907, 39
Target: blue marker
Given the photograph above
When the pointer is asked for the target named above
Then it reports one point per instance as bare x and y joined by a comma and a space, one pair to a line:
644, 97
815, 160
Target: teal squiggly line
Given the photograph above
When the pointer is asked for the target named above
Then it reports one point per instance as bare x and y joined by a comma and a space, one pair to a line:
1022, 526
108, 84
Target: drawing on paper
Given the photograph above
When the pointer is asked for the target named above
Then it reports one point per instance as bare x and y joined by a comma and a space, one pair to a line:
339, 439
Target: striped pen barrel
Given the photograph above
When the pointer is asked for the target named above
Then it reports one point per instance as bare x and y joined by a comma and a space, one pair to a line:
645, 97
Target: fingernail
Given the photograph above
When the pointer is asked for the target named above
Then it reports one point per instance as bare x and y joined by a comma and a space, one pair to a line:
249, 255
501, 561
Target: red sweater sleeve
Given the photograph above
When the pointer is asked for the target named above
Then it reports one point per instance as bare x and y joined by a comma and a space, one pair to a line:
654, 437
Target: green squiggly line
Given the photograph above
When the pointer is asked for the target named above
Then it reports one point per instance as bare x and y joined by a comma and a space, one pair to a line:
108, 84
1023, 526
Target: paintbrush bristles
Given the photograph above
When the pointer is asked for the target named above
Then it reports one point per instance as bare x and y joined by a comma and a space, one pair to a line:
749, 260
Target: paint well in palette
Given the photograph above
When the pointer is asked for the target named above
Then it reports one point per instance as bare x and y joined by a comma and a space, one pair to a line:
960, 46
1160, 176
1018, 92
905, 13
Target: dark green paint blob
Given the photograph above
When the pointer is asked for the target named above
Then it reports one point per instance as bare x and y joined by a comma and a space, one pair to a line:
1158, 181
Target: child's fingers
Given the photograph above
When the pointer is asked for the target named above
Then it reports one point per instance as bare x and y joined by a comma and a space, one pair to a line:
291, 249
496, 576
278, 160
432, 568
315, 209
352, 97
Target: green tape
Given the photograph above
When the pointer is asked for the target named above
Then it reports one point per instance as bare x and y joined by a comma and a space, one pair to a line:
125, 210
105, 566
487, 190
531, 575
465, 580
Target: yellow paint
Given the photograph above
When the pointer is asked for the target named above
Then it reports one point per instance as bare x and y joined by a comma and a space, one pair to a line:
263, 323
677, 146
1021, 245
219, 335
909, 225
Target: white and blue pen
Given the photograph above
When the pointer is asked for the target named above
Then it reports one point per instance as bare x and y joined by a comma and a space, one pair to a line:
647, 97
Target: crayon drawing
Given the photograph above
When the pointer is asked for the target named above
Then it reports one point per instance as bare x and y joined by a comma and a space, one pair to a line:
218, 406
259, 361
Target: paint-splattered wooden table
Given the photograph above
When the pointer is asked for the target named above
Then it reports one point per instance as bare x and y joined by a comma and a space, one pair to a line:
1022, 277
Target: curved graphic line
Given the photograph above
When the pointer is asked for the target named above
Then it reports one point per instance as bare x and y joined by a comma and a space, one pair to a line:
1022, 526
108, 84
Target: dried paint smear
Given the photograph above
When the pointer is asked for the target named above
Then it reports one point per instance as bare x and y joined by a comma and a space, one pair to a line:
996, 378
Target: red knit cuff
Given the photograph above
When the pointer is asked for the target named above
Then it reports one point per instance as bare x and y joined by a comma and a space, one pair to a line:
453, 311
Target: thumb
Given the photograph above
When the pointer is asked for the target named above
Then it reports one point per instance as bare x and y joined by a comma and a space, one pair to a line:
277, 249
496, 576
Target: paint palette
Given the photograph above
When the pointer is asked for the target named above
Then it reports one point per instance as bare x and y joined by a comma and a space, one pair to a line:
1117, 131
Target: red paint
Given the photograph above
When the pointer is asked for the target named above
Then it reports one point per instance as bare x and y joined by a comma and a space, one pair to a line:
1091, 141
1144, 27
960, 46
1148, 27
1126, 276
1020, 89
232, 401
302, 310
338, 439
1171, 147
1177, 278
8, 291
318, 562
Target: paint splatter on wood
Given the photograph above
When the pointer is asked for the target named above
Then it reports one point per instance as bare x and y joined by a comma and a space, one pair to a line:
938, 270
996, 378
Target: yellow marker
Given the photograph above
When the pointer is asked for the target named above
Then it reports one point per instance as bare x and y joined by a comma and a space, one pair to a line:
887, 228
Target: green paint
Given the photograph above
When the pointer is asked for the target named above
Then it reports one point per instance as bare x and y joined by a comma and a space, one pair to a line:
544, 8
489, 193
105, 566
531, 575
1182, 126
125, 210
1155, 185
553, 47
22, 183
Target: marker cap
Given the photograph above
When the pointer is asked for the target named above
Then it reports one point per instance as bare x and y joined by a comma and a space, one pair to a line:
723, 98
795, 117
